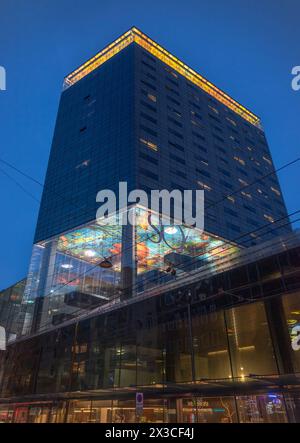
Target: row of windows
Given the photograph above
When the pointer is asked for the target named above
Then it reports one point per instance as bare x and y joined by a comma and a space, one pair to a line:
197, 95
198, 136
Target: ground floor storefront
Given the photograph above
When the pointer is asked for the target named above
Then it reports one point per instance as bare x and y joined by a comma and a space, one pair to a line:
259, 408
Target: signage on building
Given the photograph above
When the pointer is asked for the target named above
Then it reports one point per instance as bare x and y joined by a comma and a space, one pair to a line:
295, 336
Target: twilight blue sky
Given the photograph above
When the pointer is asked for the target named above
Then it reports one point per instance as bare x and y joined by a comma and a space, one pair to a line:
247, 48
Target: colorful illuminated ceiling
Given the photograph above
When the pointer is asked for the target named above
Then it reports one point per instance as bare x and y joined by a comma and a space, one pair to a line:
154, 248
136, 36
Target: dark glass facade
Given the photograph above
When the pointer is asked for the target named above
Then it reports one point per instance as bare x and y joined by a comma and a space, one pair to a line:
216, 341
92, 146
224, 349
135, 118
11, 312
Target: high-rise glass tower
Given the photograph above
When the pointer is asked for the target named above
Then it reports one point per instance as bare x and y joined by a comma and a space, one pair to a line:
135, 113
205, 323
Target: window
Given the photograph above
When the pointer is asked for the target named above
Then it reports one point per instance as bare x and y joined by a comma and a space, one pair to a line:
148, 158
172, 81
178, 173
83, 164
226, 184
202, 172
212, 359
231, 121
195, 105
148, 174
148, 130
149, 85
214, 118
176, 146
197, 123
240, 160
171, 99
171, 72
216, 128
148, 65
246, 194
252, 222
204, 185
269, 218
152, 97
172, 131
147, 117
230, 212
242, 171
149, 144
177, 159
202, 148
249, 208
152, 77
291, 307
249, 340
218, 138
168, 88
152, 108
219, 148
149, 96
201, 159
149, 57
201, 137
223, 171
266, 159
175, 122
196, 115
243, 182
233, 227
223, 160
174, 111
275, 191
213, 109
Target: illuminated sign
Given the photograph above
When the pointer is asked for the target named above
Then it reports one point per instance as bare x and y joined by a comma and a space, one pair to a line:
136, 36
295, 338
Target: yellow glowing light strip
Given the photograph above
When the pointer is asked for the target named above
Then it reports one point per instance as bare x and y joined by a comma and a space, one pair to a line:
100, 58
135, 35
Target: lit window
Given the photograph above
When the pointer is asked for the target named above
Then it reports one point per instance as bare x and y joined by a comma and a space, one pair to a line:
83, 164
267, 160
196, 123
231, 121
171, 72
275, 191
269, 218
243, 182
152, 97
213, 109
240, 160
204, 185
149, 144
246, 194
